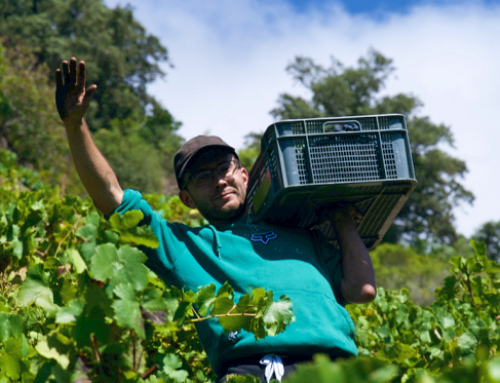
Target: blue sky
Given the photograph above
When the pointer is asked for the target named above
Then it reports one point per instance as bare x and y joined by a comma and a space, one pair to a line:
230, 57
376, 9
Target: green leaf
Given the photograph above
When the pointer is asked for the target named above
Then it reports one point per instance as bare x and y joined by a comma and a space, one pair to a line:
134, 269
34, 291
70, 313
171, 367
10, 358
126, 225
127, 310
104, 263
51, 353
244, 379
77, 261
467, 343
278, 315
205, 299
88, 233
11, 325
126, 221
17, 248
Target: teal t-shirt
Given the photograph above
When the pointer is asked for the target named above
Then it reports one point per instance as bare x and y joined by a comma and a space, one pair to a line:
298, 263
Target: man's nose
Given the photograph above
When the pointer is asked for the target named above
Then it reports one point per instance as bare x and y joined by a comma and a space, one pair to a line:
219, 180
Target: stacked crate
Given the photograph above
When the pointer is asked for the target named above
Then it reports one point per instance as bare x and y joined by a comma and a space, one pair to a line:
309, 166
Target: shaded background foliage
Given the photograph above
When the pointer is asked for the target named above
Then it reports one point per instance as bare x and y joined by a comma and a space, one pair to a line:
122, 58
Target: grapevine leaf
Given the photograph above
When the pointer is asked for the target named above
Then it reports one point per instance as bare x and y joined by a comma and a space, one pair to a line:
87, 250
88, 233
397, 353
467, 343
70, 313
127, 310
134, 270
235, 323
51, 353
68, 291
171, 367
125, 291
11, 325
17, 248
34, 291
245, 379
205, 299
126, 221
126, 225
77, 261
104, 264
222, 305
278, 315
43, 373
10, 359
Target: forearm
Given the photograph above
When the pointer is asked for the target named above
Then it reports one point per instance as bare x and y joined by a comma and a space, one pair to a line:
358, 282
94, 170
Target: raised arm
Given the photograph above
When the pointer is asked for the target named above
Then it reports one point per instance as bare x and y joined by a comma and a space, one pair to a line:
358, 282
72, 100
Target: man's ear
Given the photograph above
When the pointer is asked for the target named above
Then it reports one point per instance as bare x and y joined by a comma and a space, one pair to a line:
246, 177
186, 199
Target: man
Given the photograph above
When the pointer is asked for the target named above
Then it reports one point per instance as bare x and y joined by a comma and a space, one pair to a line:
319, 279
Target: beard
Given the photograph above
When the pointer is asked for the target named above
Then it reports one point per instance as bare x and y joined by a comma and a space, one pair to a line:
228, 214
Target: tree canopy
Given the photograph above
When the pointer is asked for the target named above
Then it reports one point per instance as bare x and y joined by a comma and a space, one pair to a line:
489, 233
122, 59
349, 91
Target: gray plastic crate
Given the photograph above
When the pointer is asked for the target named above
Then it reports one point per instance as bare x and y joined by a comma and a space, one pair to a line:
307, 166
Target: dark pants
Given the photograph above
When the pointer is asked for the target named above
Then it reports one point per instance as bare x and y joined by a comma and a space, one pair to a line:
252, 366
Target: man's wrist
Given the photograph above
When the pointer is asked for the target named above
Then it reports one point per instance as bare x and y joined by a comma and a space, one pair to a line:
73, 124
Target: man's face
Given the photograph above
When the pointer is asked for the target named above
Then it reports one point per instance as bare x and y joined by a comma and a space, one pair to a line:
223, 198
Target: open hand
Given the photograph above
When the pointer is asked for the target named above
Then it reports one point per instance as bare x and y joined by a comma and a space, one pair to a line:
72, 99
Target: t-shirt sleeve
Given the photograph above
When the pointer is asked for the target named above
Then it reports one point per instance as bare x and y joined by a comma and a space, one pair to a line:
331, 258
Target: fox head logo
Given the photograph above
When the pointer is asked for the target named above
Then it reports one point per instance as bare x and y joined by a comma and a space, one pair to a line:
264, 237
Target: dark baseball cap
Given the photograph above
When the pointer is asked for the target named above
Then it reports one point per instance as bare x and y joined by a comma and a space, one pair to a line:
190, 149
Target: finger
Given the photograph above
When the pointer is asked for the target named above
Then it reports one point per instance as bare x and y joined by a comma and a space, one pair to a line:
59, 80
65, 72
72, 71
81, 75
88, 95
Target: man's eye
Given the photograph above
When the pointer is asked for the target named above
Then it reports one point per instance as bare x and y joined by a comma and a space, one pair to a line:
203, 177
223, 168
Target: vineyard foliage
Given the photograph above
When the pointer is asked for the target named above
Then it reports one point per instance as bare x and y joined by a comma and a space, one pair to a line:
77, 304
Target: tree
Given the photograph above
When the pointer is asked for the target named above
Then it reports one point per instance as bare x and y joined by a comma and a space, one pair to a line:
121, 57
251, 151
397, 266
489, 233
29, 124
134, 131
344, 91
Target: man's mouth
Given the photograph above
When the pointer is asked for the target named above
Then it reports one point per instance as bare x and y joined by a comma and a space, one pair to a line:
224, 196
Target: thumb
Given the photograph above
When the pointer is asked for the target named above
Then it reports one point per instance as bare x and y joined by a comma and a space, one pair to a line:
88, 95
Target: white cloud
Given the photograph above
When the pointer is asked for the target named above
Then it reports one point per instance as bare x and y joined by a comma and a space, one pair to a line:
230, 60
